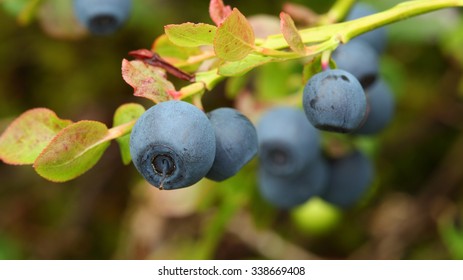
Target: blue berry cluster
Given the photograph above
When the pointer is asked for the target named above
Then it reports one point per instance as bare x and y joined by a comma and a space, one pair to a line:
102, 17
174, 144
350, 99
292, 168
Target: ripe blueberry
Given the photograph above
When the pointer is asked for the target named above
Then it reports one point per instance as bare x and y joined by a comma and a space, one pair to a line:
359, 59
349, 178
288, 143
236, 142
334, 100
381, 108
173, 145
377, 38
289, 191
102, 17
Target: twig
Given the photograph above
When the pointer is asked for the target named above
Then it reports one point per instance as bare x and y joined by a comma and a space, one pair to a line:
266, 242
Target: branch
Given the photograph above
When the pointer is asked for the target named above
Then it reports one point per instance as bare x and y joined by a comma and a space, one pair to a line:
345, 31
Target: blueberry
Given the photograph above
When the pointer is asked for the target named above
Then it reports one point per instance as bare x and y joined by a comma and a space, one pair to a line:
236, 142
289, 191
381, 108
349, 178
102, 17
334, 100
359, 59
377, 38
173, 145
287, 141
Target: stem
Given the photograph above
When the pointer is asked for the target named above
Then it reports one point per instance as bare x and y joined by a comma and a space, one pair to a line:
328, 46
191, 90
198, 102
317, 39
196, 59
209, 78
399, 12
325, 60
347, 30
120, 130
337, 12
277, 54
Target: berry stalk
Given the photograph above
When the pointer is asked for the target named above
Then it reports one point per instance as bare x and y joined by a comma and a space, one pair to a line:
339, 9
397, 13
343, 32
119, 131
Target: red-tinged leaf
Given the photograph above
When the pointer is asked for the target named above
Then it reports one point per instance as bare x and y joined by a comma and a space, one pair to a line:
73, 151
218, 11
125, 114
175, 55
142, 54
28, 135
148, 81
234, 38
291, 34
190, 34
301, 13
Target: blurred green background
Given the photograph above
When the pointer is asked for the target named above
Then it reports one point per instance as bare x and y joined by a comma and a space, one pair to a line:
413, 210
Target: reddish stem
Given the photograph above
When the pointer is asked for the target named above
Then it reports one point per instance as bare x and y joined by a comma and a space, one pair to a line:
155, 60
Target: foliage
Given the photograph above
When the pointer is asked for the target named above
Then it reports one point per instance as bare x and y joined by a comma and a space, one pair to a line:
235, 52
200, 55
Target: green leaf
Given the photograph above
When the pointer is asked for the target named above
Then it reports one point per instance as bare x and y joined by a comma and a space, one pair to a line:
176, 55
26, 137
125, 114
191, 34
276, 80
172, 52
237, 68
291, 34
234, 38
148, 81
73, 151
